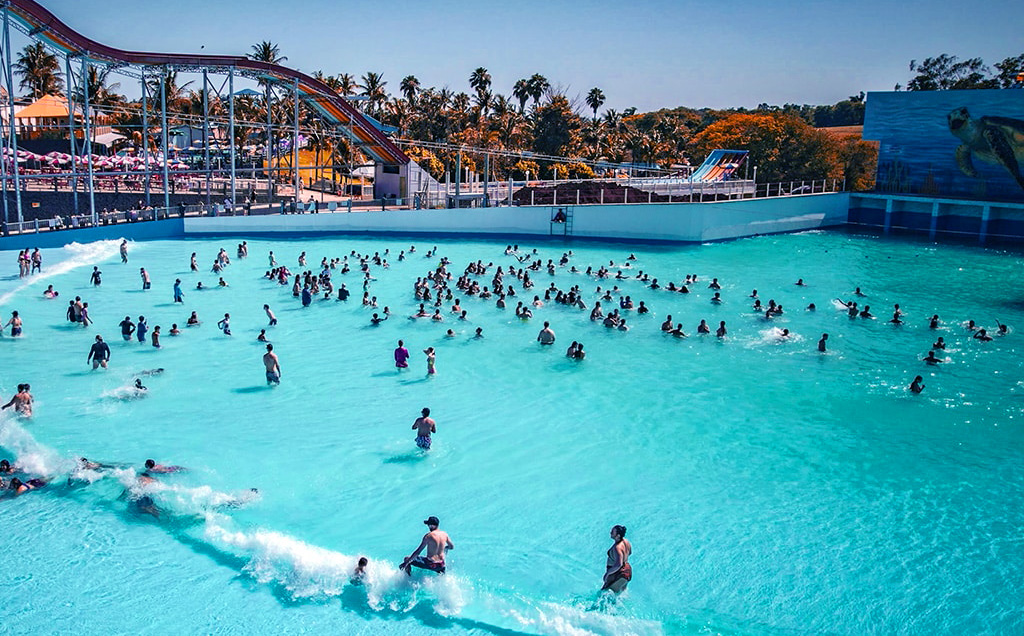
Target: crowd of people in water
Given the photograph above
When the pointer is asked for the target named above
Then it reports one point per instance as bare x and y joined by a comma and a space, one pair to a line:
440, 293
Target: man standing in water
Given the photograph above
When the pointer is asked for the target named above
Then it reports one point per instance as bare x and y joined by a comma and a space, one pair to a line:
424, 426
618, 572
99, 353
124, 250
546, 335
437, 542
273, 365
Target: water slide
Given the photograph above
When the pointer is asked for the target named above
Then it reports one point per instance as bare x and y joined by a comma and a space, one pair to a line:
45, 26
720, 165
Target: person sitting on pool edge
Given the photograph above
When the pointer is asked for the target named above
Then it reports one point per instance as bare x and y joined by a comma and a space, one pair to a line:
437, 542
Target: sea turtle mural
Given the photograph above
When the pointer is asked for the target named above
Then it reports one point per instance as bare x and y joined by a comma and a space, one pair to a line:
996, 140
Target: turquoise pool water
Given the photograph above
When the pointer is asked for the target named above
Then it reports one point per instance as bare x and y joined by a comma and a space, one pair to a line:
767, 488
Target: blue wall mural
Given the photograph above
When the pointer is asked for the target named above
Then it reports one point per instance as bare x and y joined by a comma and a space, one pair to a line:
949, 143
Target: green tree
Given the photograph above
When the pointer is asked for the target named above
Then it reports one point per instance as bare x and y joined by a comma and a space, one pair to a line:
347, 84
39, 71
537, 86
373, 88
521, 91
783, 147
947, 72
268, 52
555, 127
595, 99
1010, 71
480, 80
409, 86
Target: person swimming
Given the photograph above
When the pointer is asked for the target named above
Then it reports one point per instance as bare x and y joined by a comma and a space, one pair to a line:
931, 359
916, 386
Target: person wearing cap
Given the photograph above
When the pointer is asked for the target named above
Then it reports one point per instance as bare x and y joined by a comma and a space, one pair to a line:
424, 426
437, 542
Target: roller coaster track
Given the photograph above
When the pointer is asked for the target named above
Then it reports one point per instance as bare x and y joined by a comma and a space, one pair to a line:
43, 25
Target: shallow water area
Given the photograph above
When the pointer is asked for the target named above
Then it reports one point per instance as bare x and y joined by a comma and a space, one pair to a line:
766, 487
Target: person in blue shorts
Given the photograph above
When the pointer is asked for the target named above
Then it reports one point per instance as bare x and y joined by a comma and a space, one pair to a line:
424, 426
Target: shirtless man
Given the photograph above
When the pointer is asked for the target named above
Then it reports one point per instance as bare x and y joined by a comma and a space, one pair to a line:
124, 251
273, 365
618, 572
22, 401
144, 275
270, 315
424, 426
437, 542
546, 335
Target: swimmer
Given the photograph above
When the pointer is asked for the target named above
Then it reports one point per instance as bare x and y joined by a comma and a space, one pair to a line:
546, 335
199, 285
263, 336
225, 324
703, 327
6, 468
916, 386
19, 487
821, 343
138, 385
933, 323
571, 351
144, 275
800, 283
717, 298
721, 331
437, 542
273, 366
193, 320
174, 329
401, 356
124, 251
931, 359
642, 309
360, 571
982, 335
424, 427
811, 307
376, 319
939, 344
618, 573
678, 331
270, 315
50, 292
155, 336
431, 358
667, 325
99, 353
96, 278
479, 332
22, 401
449, 334
866, 312
178, 296
153, 467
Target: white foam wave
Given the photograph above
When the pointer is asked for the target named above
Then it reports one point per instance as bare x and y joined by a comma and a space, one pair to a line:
30, 456
127, 392
78, 255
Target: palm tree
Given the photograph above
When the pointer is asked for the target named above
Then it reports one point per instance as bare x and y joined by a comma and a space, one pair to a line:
537, 85
100, 94
373, 88
409, 86
266, 51
521, 91
39, 70
177, 97
480, 80
347, 84
595, 99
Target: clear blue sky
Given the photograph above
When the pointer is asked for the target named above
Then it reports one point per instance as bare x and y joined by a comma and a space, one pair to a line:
649, 54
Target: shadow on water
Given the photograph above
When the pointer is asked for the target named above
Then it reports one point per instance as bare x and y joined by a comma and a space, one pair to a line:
417, 381
414, 457
253, 389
